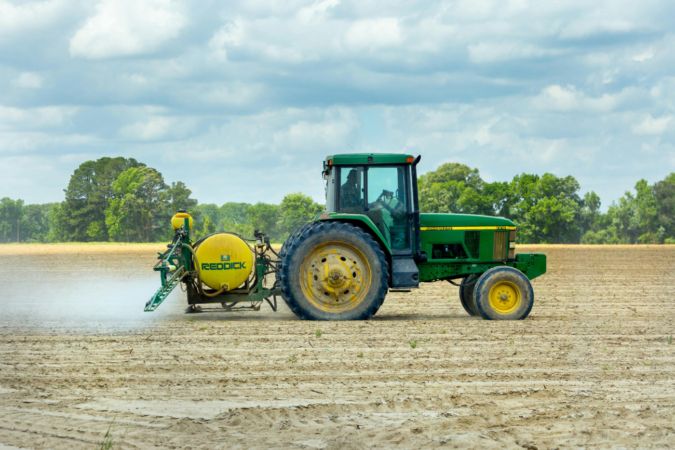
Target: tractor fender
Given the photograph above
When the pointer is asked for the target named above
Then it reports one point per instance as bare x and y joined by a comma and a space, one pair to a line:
362, 222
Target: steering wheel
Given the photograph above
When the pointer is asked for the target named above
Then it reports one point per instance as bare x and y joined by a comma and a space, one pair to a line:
384, 195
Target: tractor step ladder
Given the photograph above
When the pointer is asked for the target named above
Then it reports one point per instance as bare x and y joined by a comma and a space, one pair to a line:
165, 290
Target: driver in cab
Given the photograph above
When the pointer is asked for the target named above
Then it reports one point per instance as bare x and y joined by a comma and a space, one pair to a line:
350, 194
393, 206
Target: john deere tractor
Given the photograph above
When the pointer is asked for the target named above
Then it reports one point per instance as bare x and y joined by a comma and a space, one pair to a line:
370, 240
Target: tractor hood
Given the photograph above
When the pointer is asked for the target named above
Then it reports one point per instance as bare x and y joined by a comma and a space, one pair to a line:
462, 220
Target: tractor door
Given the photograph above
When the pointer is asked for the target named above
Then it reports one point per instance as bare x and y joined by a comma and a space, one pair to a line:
388, 204
351, 189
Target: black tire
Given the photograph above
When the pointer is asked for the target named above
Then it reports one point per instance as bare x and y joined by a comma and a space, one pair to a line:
466, 289
305, 246
289, 243
511, 291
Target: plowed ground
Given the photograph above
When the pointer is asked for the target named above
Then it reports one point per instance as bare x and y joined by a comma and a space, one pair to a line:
591, 367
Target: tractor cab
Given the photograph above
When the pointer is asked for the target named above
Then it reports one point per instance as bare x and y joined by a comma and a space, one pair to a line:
382, 187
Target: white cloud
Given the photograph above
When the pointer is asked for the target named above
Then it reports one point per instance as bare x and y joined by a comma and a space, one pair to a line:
484, 136
231, 34
230, 95
647, 148
127, 27
596, 24
570, 99
137, 79
373, 34
158, 127
28, 16
35, 118
329, 130
651, 126
21, 142
316, 11
547, 151
28, 80
487, 52
649, 54
153, 129
558, 98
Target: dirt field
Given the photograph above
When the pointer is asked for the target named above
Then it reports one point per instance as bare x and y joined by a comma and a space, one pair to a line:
591, 367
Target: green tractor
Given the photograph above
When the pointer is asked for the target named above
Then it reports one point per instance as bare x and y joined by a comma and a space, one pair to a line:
371, 240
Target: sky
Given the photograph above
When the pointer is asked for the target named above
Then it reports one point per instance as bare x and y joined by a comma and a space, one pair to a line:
242, 100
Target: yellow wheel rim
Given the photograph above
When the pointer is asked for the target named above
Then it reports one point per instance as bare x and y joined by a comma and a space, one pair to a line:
505, 297
335, 277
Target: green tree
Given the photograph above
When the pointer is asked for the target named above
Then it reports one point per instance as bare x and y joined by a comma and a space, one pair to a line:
234, 216
592, 201
452, 188
607, 236
11, 214
264, 217
647, 213
209, 227
664, 197
549, 220
209, 210
525, 190
546, 208
87, 197
590, 216
178, 197
135, 213
441, 197
35, 224
623, 216
499, 199
296, 210
452, 172
58, 223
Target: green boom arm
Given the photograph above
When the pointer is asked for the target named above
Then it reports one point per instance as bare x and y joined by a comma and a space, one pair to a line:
171, 262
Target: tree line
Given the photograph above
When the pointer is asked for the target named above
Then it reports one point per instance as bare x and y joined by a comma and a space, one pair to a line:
123, 200
550, 209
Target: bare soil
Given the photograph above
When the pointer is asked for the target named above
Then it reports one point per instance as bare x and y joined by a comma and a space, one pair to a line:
591, 366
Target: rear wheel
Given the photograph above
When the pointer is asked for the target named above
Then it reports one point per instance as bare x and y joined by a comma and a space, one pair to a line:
334, 271
466, 289
288, 244
504, 293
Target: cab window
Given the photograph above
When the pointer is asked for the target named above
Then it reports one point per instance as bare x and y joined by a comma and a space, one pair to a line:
351, 190
388, 204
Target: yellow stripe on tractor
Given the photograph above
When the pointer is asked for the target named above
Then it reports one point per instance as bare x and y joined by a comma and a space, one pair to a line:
464, 228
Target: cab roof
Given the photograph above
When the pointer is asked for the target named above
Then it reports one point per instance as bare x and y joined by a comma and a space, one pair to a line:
369, 158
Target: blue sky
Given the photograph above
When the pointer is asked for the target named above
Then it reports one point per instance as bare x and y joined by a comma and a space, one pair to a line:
242, 100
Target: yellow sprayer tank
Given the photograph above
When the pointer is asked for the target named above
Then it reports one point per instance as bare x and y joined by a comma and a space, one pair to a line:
224, 261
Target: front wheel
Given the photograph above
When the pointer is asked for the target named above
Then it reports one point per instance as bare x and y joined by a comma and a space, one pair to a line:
504, 293
334, 271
